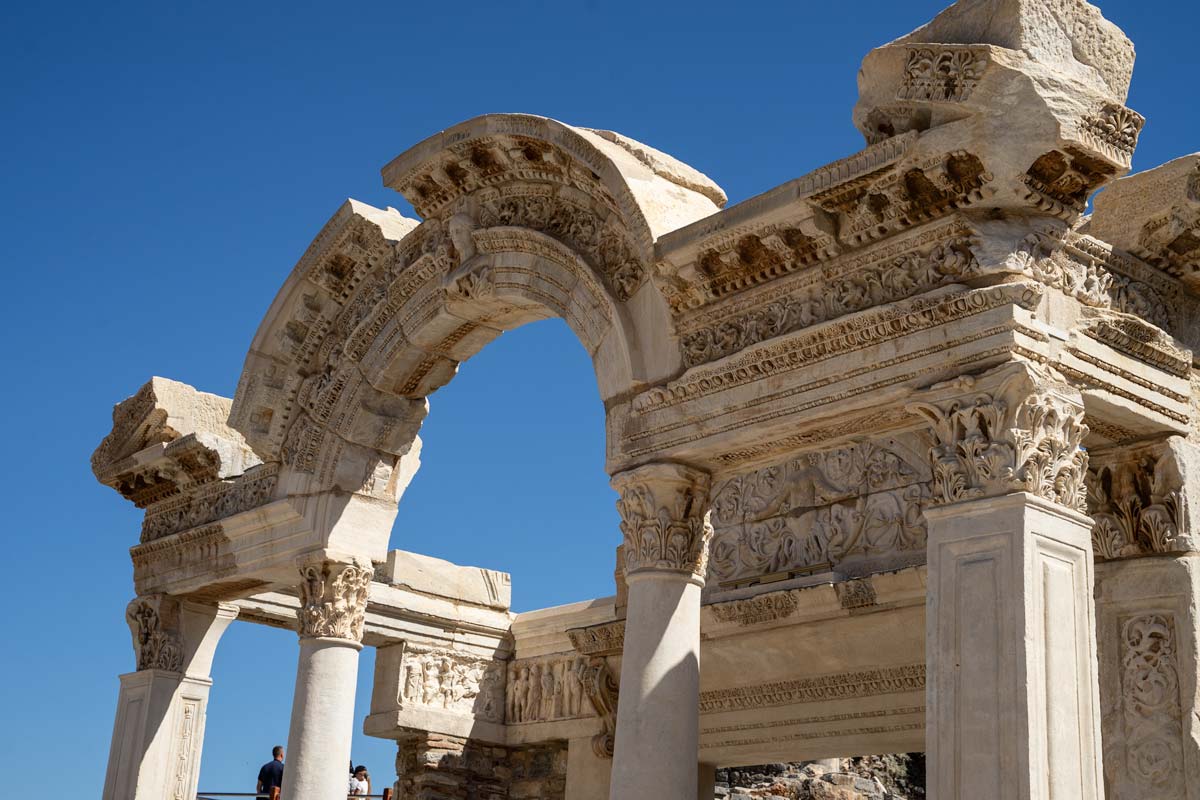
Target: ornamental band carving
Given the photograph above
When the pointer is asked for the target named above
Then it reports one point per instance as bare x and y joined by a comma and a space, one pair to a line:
333, 600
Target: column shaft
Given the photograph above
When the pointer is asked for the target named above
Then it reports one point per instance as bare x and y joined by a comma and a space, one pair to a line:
333, 602
658, 717
322, 719
664, 519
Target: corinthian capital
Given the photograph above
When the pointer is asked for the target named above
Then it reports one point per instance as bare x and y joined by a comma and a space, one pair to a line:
664, 519
1141, 498
333, 600
154, 624
1017, 428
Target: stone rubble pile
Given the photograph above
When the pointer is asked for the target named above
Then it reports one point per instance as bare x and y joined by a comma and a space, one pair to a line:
892, 777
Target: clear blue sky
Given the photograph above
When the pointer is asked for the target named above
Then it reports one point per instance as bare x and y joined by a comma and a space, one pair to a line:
164, 165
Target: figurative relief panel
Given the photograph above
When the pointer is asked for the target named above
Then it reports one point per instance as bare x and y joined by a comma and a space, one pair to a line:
861, 501
543, 690
453, 682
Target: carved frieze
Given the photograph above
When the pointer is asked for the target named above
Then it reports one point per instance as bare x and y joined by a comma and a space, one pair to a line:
1113, 131
766, 607
546, 689
817, 510
210, 503
599, 640
849, 286
865, 683
154, 623
945, 75
664, 518
906, 195
1019, 428
591, 234
1138, 500
1060, 182
451, 681
333, 600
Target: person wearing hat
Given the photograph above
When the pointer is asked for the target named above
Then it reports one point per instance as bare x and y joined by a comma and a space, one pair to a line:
360, 781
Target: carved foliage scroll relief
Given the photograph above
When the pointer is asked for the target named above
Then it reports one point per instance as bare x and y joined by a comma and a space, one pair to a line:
451, 681
333, 600
844, 287
857, 502
1023, 435
1144, 731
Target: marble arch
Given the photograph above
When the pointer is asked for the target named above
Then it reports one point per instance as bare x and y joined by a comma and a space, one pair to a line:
916, 403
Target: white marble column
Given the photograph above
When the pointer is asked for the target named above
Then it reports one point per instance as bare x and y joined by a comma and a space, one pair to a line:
333, 601
1013, 703
664, 512
158, 734
1143, 501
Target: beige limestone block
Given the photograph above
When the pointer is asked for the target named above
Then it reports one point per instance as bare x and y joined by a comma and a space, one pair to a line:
435, 576
1156, 215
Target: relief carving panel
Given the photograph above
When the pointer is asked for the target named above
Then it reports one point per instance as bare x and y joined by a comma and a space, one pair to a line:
821, 509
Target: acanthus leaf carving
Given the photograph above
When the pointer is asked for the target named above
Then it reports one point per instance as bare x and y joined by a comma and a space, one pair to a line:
333, 600
154, 623
1023, 435
1138, 502
664, 518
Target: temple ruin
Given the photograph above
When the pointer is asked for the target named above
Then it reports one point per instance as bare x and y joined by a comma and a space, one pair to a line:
918, 401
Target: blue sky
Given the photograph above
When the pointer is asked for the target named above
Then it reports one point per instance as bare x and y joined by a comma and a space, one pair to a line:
165, 165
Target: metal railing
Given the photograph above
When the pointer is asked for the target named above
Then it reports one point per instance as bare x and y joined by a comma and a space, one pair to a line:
274, 795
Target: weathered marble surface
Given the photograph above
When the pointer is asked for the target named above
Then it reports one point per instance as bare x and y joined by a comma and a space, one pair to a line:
869, 407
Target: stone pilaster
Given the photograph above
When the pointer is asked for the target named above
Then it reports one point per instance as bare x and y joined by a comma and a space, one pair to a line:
158, 735
1013, 705
333, 602
664, 519
1142, 498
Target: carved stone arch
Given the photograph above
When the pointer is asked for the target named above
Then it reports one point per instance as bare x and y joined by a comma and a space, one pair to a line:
525, 219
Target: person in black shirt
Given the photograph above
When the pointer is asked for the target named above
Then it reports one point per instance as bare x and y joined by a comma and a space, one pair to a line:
271, 774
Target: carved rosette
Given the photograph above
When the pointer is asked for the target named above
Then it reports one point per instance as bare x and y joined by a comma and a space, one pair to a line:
1138, 500
333, 600
1016, 429
665, 519
154, 624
